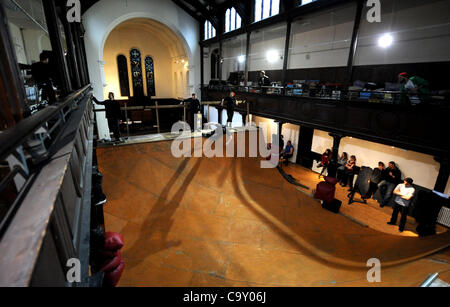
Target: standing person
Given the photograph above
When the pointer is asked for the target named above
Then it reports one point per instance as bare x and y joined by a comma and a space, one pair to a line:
281, 143
403, 194
263, 81
325, 161
416, 87
113, 114
193, 108
375, 179
41, 72
229, 103
390, 179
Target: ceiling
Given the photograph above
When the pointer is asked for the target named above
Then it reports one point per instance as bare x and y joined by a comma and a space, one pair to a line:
17, 17
155, 30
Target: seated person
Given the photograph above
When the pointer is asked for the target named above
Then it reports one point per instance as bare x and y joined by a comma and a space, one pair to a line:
342, 161
416, 88
403, 194
390, 178
348, 172
288, 152
375, 179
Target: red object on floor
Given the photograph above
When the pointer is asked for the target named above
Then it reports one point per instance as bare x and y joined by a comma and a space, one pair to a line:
326, 190
112, 263
112, 278
113, 241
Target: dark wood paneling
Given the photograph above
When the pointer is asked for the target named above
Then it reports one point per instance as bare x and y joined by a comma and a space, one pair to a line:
421, 128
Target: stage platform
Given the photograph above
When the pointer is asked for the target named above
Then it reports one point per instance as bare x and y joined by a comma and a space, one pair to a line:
227, 222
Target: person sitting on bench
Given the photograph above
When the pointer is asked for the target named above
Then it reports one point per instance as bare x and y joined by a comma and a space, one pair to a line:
375, 179
288, 152
347, 176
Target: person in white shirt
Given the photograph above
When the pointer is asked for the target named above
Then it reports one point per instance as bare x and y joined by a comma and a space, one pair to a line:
403, 194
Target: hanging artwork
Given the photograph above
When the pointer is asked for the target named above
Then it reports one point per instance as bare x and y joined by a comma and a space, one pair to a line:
150, 75
122, 68
136, 72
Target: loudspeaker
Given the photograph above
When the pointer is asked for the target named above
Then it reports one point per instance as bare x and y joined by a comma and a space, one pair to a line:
334, 206
363, 179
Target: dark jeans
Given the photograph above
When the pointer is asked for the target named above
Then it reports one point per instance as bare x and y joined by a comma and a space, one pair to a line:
113, 125
404, 212
287, 157
390, 187
230, 114
347, 178
373, 187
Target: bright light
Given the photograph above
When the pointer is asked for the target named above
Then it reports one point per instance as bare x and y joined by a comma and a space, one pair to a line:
272, 56
385, 41
241, 59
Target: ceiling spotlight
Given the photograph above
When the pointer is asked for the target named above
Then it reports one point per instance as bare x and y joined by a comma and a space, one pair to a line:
241, 59
385, 41
272, 56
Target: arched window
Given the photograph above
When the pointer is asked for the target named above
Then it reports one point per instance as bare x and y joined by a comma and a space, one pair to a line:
136, 72
122, 68
266, 8
233, 20
150, 76
210, 31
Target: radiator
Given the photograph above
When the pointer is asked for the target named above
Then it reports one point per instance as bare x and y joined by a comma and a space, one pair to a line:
444, 217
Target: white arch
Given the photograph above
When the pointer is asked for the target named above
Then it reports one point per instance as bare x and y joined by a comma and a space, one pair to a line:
126, 17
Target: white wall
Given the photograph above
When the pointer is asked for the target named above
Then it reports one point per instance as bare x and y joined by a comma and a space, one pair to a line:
105, 15
422, 168
35, 42
264, 40
322, 39
421, 31
19, 46
231, 50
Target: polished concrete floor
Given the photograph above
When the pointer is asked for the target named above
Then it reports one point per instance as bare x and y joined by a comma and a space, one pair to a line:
227, 222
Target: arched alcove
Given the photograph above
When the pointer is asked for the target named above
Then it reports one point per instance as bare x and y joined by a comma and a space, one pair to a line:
150, 39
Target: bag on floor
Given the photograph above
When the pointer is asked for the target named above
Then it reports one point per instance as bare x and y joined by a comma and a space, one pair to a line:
112, 263
326, 190
112, 278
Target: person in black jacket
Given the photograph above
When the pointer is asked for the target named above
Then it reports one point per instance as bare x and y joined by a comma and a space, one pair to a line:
230, 102
41, 73
375, 179
391, 177
113, 114
193, 108
264, 80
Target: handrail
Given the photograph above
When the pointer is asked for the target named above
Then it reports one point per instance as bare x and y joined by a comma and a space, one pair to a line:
12, 138
48, 212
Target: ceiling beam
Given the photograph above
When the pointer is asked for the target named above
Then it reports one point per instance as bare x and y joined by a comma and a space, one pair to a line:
185, 8
206, 14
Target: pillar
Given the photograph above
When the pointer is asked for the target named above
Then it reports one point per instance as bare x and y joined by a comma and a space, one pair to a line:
442, 179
